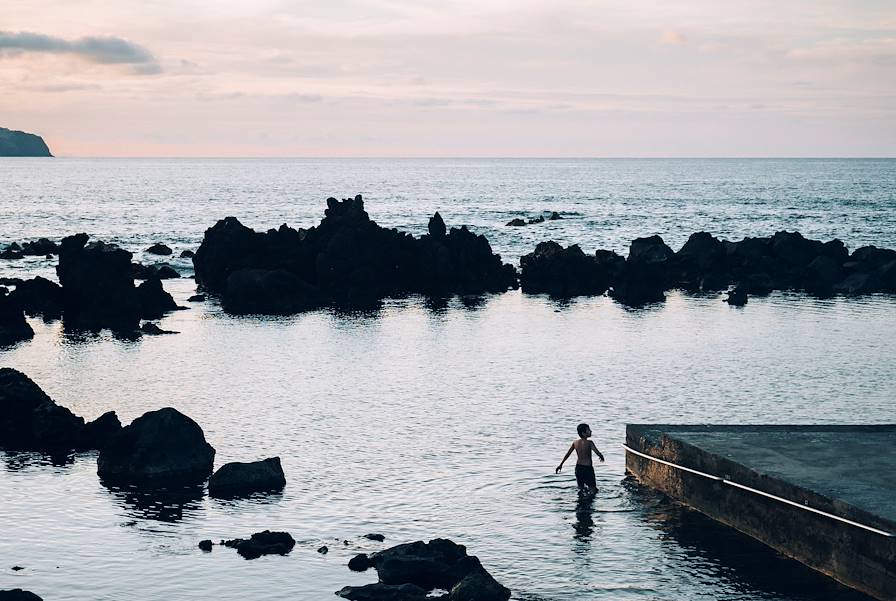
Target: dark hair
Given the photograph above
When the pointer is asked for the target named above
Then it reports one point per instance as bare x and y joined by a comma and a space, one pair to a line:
581, 429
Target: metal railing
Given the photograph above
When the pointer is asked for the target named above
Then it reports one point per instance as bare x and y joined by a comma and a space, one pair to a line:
761, 493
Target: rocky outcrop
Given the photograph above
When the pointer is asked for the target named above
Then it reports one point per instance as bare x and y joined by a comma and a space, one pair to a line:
13, 327
565, 272
346, 260
40, 248
153, 301
101, 430
39, 296
233, 479
438, 564
98, 287
31, 421
784, 261
262, 543
160, 447
14, 143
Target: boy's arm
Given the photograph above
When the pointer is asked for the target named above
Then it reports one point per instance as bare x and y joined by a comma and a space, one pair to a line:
565, 457
596, 450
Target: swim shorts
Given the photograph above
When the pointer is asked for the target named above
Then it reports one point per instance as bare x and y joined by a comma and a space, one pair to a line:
585, 476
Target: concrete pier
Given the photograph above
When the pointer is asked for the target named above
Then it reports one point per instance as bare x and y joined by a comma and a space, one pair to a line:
744, 476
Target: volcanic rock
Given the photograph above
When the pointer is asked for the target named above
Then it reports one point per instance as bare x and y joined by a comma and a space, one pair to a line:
237, 478
262, 543
159, 447
158, 249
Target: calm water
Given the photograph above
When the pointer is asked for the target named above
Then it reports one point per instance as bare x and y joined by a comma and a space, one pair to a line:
422, 420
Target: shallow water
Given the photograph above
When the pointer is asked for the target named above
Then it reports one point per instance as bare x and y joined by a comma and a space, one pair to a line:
422, 419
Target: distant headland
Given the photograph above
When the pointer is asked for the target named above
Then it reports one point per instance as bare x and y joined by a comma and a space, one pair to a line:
22, 144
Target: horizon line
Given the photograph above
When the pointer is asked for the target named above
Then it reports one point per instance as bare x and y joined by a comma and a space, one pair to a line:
468, 157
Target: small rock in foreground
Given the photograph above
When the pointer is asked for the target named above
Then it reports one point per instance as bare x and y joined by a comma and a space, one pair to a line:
152, 329
376, 537
262, 543
206, 545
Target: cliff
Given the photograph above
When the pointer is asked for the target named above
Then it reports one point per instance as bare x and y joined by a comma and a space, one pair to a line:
20, 144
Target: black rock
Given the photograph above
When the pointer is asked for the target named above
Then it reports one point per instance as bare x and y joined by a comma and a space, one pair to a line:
262, 543
97, 285
439, 563
196, 298
18, 594
554, 216
737, 297
479, 585
98, 432
516, 222
359, 563
383, 592
154, 302
794, 249
534, 220
152, 329
237, 478
158, 249
42, 247
160, 447
31, 421
563, 272
11, 254
323, 550
206, 545
39, 296
13, 327
187, 254
436, 226
268, 292
227, 247
376, 537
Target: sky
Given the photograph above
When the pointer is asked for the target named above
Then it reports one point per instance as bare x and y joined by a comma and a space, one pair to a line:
448, 78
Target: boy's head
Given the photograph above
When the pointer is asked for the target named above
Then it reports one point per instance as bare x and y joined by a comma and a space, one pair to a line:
584, 430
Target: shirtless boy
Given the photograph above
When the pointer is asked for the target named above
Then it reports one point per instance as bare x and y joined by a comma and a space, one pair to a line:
584, 469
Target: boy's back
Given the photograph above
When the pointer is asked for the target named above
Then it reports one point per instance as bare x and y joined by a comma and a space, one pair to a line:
583, 448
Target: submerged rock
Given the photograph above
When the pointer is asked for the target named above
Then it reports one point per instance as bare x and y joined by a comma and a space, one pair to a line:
516, 222
159, 447
187, 254
262, 543
40, 248
206, 545
237, 478
373, 536
737, 297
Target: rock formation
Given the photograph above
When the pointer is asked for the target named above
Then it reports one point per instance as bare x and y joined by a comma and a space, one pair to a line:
14, 143
158, 448
232, 479
347, 260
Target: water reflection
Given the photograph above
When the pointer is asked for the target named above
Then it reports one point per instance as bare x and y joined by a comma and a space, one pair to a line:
584, 524
15, 461
728, 555
160, 504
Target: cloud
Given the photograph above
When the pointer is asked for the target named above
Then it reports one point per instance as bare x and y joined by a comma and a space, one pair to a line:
673, 38
107, 50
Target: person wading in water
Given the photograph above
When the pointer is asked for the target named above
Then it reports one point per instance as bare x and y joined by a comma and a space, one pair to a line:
584, 469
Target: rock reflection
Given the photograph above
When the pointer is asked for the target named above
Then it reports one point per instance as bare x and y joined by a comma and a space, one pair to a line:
727, 554
15, 461
160, 504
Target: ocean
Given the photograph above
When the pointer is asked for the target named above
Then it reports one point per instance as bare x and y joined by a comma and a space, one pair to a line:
422, 419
